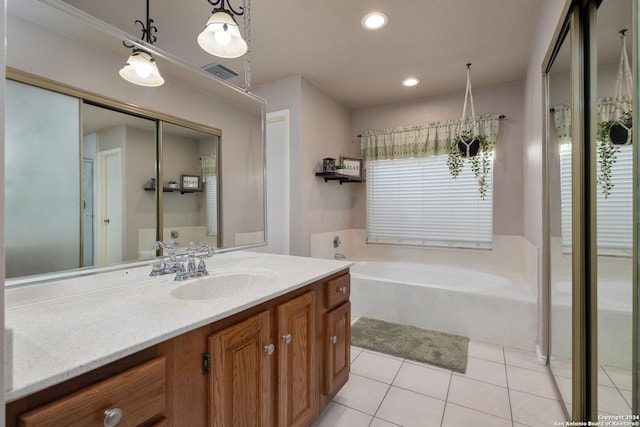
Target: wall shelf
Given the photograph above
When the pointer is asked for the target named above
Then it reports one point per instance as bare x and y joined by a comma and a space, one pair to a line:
332, 176
171, 190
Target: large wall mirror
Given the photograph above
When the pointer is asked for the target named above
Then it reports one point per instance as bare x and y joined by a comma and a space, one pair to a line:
98, 168
611, 184
559, 194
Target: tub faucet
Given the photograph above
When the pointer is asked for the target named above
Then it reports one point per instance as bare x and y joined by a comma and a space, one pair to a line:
338, 255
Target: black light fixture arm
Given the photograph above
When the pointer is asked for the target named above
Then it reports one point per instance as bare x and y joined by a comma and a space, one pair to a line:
223, 9
148, 30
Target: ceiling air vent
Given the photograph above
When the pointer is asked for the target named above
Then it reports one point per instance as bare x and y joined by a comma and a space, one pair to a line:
220, 71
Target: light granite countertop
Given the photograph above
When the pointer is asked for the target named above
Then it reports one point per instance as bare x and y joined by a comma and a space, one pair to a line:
65, 328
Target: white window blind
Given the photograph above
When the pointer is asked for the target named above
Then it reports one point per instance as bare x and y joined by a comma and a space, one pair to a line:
614, 213
211, 190
417, 202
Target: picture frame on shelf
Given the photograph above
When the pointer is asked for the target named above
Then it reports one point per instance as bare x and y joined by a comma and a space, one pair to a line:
352, 166
190, 182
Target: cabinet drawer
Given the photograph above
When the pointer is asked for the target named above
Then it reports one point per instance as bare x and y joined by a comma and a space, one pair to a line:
139, 393
338, 290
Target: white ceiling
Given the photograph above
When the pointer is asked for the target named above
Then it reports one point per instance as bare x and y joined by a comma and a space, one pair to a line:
325, 42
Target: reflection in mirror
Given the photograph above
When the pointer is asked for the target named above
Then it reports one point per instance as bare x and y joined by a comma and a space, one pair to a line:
42, 191
119, 156
560, 220
190, 212
614, 208
35, 28
90, 212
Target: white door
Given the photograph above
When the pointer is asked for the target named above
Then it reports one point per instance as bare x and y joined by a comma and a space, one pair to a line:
109, 220
278, 192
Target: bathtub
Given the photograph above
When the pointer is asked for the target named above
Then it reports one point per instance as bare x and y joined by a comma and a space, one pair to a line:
489, 307
615, 322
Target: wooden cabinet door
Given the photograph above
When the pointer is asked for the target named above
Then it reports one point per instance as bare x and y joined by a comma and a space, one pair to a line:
239, 382
337, 348
297, 391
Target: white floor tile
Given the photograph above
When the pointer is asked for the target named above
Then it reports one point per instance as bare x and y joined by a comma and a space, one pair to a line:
421, 379
501, 386
362, 394
628, 397
456, 416
535, 411
410, 409
426, 365
485, 370
523, 359
355, 352
561, 367
621, 378
611, 401
481, 350
376, 366
528, 381
336, 415
481, 396
604, 379
566, 389
377, 422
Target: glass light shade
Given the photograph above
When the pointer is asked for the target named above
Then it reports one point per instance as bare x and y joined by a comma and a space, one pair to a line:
221, 37
141, 69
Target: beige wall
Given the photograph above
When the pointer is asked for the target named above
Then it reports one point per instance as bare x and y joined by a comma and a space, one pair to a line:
503, 99
534, 218
319, 128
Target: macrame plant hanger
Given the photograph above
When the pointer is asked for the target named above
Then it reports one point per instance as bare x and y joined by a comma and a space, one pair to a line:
620, 131
468, 142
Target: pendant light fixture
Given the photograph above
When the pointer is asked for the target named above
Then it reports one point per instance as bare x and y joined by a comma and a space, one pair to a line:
221, 36
141, 68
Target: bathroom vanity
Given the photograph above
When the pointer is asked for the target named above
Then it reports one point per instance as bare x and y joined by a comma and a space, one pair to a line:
263, 341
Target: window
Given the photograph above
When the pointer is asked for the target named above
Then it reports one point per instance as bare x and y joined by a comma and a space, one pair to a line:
614, 213
417, 202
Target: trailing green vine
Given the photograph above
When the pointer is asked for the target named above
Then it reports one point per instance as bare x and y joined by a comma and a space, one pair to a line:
607, 152
480, 163
455, 162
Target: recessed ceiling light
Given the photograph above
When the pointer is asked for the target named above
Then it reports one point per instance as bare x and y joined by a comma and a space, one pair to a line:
411, 81
374, 20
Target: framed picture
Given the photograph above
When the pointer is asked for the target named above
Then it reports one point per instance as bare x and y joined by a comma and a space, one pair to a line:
190, 182
352, 166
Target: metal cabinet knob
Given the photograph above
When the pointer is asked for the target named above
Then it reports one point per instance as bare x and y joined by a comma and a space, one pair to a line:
111, 417
343, 290
333, 339
269, 349
286, 338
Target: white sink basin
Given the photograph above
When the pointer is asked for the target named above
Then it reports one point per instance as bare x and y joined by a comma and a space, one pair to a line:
225, 285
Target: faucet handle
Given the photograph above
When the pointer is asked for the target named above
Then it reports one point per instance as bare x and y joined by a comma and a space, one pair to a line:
194, 250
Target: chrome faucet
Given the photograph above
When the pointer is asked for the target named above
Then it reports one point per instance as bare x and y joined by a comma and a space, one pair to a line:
194, 269
171, 264
166, 265
338, 255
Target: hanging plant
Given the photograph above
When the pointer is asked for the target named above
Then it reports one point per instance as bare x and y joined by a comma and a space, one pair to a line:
617, 132
468, 143
480, 159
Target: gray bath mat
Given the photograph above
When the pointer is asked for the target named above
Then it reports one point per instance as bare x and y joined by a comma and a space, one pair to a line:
421, 345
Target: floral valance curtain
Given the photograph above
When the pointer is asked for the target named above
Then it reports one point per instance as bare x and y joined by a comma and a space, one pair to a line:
421, 140
608, 109
208, 166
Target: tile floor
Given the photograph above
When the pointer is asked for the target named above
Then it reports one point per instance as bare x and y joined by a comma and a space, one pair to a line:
502, 387
614, 387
